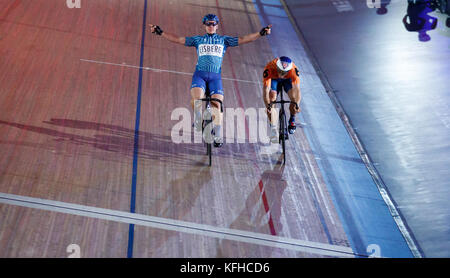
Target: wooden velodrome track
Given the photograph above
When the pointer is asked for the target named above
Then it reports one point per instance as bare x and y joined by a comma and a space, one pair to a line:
71, 89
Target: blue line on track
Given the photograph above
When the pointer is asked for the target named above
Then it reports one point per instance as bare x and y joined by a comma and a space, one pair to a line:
136, 138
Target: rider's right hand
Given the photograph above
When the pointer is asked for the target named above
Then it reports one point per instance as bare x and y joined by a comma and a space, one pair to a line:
155, 29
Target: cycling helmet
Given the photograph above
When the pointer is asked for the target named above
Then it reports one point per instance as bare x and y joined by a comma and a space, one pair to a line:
284, 63
211, 17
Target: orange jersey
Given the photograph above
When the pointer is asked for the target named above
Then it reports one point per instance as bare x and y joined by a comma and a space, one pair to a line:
271, 72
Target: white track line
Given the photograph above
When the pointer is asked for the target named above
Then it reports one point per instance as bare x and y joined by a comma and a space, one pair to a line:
179, 226
160, 70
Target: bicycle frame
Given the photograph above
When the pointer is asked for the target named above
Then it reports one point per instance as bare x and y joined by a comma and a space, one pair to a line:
282, 125
208, 125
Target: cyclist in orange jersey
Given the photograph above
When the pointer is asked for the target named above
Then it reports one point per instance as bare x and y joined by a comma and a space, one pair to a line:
284, 72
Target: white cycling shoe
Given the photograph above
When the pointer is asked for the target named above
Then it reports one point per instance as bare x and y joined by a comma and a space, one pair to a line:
218, 142
274, 135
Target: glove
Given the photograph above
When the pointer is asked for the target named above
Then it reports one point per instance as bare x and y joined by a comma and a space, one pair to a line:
158, 31
264, 30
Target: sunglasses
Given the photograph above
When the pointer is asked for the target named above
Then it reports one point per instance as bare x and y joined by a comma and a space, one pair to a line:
210, 23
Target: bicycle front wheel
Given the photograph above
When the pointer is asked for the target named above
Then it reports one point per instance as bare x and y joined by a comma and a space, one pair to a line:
208, 138
209, 153
283, 136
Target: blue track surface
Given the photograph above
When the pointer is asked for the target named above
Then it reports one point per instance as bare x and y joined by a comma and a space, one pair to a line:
365, 216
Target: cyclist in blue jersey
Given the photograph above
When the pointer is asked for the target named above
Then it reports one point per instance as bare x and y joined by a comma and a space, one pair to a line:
211, 48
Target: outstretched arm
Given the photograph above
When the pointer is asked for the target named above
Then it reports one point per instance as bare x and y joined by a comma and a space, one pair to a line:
168, 36
254, 36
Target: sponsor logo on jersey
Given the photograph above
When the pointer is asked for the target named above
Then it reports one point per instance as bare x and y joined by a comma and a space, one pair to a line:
210, 49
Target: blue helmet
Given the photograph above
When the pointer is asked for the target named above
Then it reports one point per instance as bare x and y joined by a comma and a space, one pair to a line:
284, 63
211, 17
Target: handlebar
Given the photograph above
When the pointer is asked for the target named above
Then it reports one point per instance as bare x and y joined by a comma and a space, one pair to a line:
214, 99
283, 102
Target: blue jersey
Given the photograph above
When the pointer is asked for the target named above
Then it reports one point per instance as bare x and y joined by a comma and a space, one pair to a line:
210, 50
